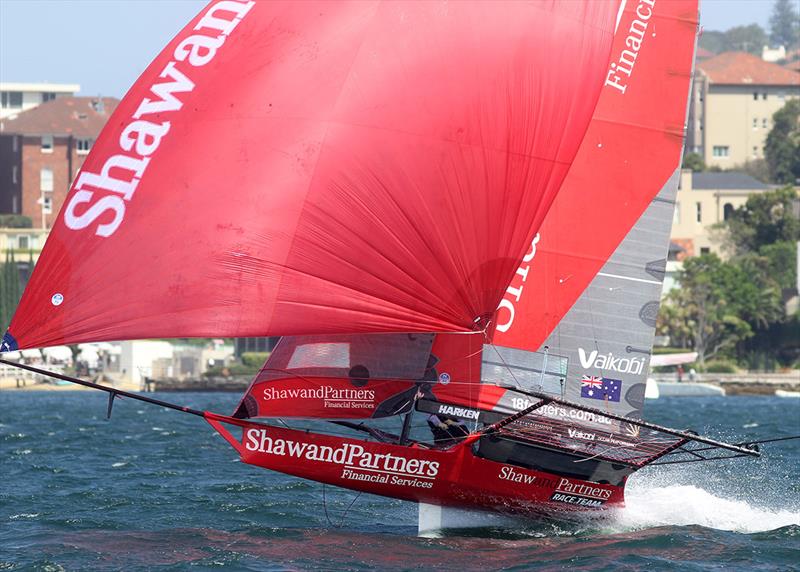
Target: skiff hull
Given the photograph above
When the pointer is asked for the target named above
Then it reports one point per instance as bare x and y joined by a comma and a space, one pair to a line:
453, 477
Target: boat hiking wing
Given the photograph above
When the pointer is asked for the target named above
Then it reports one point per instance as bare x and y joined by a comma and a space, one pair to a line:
564, 426
589, 287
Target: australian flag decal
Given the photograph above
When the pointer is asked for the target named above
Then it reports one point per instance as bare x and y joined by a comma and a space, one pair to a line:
593, 387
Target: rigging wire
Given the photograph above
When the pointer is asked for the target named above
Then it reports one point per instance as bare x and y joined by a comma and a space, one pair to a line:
508, 367
344, 514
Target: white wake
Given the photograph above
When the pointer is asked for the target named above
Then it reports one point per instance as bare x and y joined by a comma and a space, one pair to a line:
651, 502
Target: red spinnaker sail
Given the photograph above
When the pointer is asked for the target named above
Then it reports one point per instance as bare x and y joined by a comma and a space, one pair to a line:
322, 167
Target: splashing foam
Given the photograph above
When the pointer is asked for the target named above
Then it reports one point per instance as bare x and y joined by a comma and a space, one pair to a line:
652, 502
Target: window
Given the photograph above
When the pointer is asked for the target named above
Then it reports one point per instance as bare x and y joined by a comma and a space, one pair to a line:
755, 123
764, 123
704, 250
727, 211
764, 96
755, 151
721, 150
23, 242
47, 205
15, 143
47, 96
699, 212
755, 96
676, 214
47, 143
11, 99
82, 146
46, 179
14, 175
15, 204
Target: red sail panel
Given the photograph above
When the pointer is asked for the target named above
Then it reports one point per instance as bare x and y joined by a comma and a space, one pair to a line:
326, 398
322, 167
363, 376
632, 147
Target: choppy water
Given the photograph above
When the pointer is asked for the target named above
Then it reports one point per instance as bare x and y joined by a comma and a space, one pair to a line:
156, 489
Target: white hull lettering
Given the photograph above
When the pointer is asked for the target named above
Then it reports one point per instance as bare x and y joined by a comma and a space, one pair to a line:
353, 457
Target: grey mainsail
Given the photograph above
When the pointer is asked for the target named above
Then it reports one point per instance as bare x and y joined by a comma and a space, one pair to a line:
607, 335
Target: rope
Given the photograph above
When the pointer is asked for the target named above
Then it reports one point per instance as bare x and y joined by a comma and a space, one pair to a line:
344, 514
769, 440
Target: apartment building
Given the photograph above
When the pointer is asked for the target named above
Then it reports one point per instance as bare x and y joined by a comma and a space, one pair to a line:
41, 151
18, 97
733, 99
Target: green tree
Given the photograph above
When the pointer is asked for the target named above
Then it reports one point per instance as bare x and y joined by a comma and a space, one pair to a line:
749, 39
10, 289
15, 221
674, 321
713, 41
758, 296
784, 23
756, 168
3, 294
761, 237
766, 218
707, 309
783, 144
693, 161
781, 260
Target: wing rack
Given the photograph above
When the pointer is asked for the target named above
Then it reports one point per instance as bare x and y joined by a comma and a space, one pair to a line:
562, 425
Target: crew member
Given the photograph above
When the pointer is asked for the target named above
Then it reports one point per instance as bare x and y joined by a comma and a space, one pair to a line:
447, 430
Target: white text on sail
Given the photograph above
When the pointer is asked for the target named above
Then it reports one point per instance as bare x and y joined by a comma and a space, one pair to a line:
623, 67
121, 173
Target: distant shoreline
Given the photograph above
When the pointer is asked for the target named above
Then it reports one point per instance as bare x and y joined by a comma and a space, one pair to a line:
734, 384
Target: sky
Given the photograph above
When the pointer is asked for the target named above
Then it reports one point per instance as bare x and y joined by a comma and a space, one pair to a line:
104, 45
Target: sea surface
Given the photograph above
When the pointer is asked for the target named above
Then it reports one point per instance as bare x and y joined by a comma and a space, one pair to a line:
154, 489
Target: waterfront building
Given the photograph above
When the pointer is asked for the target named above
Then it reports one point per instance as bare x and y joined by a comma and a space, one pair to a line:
705, 199
734, 97
41, 151
18, 97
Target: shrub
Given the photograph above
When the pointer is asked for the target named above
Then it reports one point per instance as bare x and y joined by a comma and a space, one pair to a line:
231, 371
254, 359
721, 366
15, 221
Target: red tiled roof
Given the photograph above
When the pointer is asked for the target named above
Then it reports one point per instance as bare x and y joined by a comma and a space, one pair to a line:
736, 68
79, 116
703, 54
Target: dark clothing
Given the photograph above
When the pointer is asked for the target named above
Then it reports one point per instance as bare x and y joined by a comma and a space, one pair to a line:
447, 430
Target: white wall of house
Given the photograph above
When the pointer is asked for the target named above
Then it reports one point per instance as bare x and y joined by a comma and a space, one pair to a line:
137, 356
